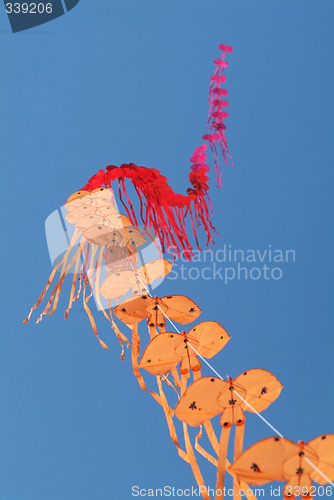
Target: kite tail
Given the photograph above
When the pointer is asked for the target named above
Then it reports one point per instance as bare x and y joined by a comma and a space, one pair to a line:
121, 338
85, 300
201, 205
41, 297
161, 209
89, 313
96, 284
54, 297
238, 445
74, 281
222, 461
215, 445
80, 279
194, 465
168, 382
217, 115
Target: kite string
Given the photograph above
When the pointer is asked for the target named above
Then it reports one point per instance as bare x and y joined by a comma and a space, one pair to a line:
319, 471
221, 378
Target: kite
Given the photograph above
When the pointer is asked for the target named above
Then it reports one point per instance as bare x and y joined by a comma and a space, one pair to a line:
176, 307
167, 350
254, 391
278, 459
216, 117
173, 307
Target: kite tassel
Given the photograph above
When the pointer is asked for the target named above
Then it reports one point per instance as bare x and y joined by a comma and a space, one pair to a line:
57, 289
75, 236
74, 280
238, 445
215, 445
121, 338
225, 434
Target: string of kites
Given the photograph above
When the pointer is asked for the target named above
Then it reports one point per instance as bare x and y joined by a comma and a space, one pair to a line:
105, 239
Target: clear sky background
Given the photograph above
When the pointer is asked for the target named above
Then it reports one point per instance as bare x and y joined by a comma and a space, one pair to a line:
115, 82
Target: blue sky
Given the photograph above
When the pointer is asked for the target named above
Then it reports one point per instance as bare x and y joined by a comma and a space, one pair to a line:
128, 81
